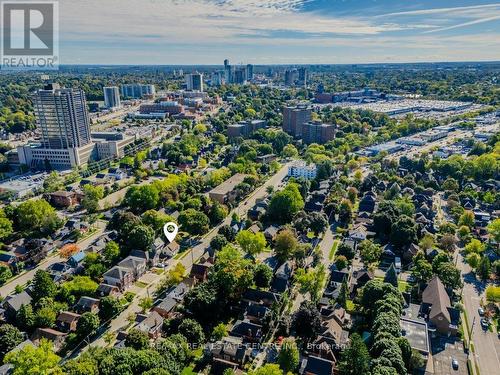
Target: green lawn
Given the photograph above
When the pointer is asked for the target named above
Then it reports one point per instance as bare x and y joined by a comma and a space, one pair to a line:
333, 249
189, 371
140, 284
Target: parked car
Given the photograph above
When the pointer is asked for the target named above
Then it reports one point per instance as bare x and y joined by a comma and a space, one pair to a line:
454, 364
484, 323
480, 311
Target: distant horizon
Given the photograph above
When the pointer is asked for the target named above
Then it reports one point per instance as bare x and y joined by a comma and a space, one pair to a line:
298, 64
277, 32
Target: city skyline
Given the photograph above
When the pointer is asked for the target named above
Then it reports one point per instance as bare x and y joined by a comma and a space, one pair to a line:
277, 32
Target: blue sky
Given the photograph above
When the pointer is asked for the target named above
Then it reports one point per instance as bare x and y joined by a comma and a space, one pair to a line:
277, 31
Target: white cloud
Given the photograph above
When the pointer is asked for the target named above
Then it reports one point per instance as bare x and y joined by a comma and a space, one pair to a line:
175, 31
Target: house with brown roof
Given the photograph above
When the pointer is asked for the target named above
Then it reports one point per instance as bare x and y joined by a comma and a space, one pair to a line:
152, 325
53, 335
67, 321
437, 309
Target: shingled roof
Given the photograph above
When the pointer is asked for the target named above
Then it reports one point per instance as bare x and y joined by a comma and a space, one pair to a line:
436, 296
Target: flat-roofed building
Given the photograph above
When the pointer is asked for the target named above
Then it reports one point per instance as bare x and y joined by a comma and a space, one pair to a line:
317, 132
294, 117
225, 191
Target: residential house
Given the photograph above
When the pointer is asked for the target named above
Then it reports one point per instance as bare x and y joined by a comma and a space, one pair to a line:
282, 277
53, 335
138, 266
368, 202
271, 232
316, 366
152, 325
436, 306
262, 297
76, 259
64, 198
13, 303
117, 173
67, 321
60, 271
105, 290
230, 352
248, 331
87, 304
359, 232
257, 314
120, 277
359, 279
200, 271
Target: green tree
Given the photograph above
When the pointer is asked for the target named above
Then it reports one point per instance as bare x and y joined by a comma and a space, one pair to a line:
42, 286
449, 275
391, 276
370, 252
288, 357
341, 262
467, 219
484, 268
290, 151
494, 230
355, 358
40, 360
475, 246
194, 222
87, 324
155, 220
192, 331
345, 211
285, 245
422, 269
142, 198
5, 228
263, 275
403, 231
219, 331
92, 195
5, 274
140, 237
111, 252
343, 294
109, 307
37, 215
45, 317
137, 340
145, 304
473, 260
218, 242
10, 337
307, 321
267, 369
285, 204
25, 317
251, 243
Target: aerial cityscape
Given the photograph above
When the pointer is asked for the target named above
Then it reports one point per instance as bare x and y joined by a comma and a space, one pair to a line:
254, 187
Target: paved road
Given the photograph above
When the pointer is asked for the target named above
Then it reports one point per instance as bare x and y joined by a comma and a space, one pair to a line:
26, 277
152, 280
486, 344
